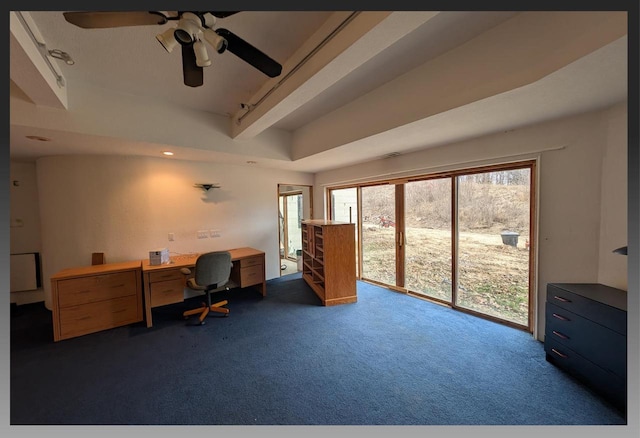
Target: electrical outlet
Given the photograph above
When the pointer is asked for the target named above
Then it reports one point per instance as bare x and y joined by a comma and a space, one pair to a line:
202, 234
170, 237
214, 233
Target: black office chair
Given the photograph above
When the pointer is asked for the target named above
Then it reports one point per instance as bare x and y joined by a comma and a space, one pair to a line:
212, 273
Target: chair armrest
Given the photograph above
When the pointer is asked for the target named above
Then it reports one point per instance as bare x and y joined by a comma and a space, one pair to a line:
191, 284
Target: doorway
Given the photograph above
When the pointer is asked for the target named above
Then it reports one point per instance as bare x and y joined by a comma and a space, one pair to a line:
294, 205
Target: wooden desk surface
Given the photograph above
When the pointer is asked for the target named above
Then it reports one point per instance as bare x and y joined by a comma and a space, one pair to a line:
106, 268
189, 260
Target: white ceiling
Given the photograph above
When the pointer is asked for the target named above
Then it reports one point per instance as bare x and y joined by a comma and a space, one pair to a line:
129, 61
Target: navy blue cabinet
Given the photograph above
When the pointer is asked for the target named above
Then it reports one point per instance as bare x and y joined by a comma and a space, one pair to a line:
586, 335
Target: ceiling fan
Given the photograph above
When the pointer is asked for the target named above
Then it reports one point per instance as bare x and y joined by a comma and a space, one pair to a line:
193, 27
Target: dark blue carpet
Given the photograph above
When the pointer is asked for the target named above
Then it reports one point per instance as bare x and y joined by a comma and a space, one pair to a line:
388, 359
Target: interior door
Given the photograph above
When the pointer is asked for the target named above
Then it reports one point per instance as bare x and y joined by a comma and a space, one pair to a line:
291, 218
295, 203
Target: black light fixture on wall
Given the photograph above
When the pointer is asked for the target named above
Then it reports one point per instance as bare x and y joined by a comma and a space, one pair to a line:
622, 250
207, 186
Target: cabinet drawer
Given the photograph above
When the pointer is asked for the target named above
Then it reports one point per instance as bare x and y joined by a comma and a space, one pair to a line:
166, 274
167, 292
252, 275
608, 316
93, 317
602, 346
611, 386
251, 261
95, 288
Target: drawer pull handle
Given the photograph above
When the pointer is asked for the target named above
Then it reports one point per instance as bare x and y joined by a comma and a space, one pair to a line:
564, 300
117, 285
560, 317
564, 356
119, 311
84, 318
560, 335
84, 291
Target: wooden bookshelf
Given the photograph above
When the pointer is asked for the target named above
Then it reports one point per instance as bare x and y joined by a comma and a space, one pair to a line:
329, 260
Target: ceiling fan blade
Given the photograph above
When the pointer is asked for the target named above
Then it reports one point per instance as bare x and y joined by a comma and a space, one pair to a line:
219, 14
250, 54
99, 20
193, 75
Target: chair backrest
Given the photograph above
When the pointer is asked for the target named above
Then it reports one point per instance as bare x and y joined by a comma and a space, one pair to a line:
213, 268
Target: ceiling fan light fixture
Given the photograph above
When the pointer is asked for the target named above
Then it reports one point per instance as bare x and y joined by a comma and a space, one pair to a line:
202, 57
208, 20
188, 28
216, 41
167, 40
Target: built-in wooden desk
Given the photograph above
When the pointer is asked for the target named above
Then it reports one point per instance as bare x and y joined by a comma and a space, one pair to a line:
164, 284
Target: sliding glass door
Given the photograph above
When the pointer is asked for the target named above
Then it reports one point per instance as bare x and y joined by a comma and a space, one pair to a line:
379, 233
493, 243
461, 238
427, 259
344, 208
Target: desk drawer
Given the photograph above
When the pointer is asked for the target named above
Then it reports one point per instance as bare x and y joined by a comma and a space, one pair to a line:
167, 292
254, 274
251, 261
93, 317
166, 274
95, 288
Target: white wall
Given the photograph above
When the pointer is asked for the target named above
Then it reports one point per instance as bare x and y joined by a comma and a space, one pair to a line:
612, 268
24, 214
580, 190
126, 206
24, 231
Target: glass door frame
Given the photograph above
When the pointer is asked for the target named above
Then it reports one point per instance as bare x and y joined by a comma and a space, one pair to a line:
306, 191
285, 228
399, 183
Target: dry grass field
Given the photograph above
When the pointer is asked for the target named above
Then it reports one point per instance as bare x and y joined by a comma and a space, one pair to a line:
492, 277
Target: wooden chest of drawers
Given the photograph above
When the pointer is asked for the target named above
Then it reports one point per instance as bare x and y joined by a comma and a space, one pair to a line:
586, 335
94, 298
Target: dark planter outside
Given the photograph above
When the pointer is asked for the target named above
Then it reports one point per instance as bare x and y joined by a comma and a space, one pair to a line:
510, 238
